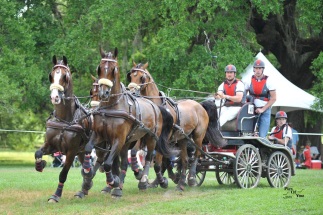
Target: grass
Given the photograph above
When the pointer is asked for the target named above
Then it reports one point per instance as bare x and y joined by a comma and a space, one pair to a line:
25, 191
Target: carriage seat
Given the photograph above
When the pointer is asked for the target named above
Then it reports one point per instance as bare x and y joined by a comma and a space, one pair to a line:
244, 122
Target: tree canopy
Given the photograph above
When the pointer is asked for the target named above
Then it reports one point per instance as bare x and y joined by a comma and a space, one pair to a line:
187, 44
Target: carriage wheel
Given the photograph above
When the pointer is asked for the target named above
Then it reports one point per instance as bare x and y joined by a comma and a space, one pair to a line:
200, 176
225, 178
247, 166
279, 170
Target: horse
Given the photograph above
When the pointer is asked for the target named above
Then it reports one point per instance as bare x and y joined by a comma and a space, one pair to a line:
121, 120
195, 122
68, 127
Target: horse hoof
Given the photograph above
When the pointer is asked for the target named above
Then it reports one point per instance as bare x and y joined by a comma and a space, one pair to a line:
79, 195
39, 166
139, 174
116, 193
53, 199
192, 182
106, 190
143, 185
164, 184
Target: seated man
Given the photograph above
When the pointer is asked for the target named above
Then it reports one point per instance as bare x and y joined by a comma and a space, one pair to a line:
233, 91
282, 132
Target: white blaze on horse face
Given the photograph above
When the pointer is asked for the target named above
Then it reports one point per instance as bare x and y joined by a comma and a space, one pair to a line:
55, 98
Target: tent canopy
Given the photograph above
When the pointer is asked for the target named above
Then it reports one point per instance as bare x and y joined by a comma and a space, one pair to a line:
288, 96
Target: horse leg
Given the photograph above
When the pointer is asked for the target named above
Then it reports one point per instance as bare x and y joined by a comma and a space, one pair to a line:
134, 164
39, 162
62, 178
183, 166
143, 183
117, 192
162, 181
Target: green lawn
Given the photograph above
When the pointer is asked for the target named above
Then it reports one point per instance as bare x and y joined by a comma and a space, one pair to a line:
25, 191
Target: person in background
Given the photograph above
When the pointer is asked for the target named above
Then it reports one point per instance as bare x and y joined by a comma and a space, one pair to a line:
263, 89
281, 133
233, 91
307, 160
295, 139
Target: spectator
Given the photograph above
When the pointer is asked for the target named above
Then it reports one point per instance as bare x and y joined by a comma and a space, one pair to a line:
295, 139
263, 89
281, 133
307, 160
233, 91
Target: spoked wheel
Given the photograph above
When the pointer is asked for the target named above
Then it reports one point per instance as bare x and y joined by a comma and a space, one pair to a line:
225, 178
279, 170
247, 166
200, 176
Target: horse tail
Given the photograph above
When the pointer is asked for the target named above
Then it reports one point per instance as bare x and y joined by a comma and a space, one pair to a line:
162, 145
213, 135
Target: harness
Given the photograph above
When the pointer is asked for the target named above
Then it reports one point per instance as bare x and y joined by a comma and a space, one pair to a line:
259, 89
77, 125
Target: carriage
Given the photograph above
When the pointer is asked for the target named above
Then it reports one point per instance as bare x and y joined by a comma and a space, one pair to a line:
247, 157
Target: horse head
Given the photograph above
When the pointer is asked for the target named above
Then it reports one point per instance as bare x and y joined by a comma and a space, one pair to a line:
108, 73
61, 80
138, 76
94, 93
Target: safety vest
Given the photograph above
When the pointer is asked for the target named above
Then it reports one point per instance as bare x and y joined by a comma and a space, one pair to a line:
259, 89
278, 133
230, 90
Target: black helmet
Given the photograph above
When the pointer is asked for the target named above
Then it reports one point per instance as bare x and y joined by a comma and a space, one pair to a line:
230, 68
281, 114
258, 64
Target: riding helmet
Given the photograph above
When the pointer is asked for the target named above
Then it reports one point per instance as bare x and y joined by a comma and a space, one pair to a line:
281, 114
258, 64
230, 68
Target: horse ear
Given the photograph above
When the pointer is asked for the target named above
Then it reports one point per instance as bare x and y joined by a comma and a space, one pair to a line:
102, 52
145, 66
54, 60
134, 63
65, 60
116, 52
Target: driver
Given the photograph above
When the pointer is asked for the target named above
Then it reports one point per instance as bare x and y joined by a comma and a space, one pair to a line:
282, 132
232, 90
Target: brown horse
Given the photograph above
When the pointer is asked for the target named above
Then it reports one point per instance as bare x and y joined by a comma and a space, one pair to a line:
193, 121
121, 120
68, 128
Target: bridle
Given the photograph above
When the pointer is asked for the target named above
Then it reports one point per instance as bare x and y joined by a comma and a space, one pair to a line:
61, 90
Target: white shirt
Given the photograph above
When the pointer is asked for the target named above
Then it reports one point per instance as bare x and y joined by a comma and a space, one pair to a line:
239, 87
270, 85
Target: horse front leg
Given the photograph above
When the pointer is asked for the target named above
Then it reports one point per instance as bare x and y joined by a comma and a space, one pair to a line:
143, 183
62, 178
40, 164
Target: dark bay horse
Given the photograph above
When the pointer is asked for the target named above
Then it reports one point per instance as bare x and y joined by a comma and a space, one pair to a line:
68, 128
121, 120
193, 121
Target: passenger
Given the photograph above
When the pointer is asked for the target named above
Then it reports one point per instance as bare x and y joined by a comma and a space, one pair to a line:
295, 140
281, 133
233, 91
263, 89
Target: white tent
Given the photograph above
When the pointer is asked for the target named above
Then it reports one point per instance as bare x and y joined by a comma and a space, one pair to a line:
288, 96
